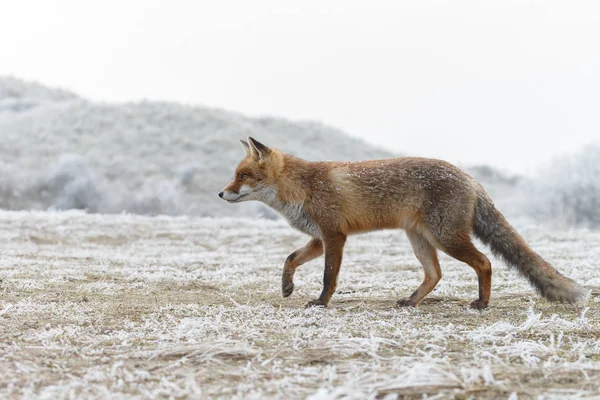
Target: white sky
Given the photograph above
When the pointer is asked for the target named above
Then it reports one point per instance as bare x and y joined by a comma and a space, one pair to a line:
507, 83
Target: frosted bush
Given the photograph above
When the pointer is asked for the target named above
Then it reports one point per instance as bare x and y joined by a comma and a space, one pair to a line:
567, 191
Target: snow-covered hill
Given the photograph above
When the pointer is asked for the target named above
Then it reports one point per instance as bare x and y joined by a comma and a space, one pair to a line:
60, 151
148, 158
20, 96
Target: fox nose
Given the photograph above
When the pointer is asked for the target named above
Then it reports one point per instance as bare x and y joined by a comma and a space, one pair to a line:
221, 194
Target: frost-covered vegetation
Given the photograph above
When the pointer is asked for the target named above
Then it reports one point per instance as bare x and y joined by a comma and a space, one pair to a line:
146, 158
59, 151
17, 96
124, 306
567, 191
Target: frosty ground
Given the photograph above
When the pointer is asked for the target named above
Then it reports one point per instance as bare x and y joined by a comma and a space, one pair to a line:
123, 306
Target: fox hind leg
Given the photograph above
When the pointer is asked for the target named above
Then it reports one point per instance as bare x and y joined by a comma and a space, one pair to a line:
463, 249
426, 253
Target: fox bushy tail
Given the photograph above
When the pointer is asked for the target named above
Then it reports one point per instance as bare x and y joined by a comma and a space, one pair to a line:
494, 230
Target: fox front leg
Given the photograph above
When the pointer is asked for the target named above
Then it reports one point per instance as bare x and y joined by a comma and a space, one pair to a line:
312, 250
334, 248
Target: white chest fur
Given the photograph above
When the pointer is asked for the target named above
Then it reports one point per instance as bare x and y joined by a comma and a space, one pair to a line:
295, 213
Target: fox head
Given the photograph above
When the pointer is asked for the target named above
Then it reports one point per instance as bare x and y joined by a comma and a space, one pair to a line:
255, 176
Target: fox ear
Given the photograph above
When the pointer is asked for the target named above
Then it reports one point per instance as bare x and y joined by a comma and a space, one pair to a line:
246, 147
258, 151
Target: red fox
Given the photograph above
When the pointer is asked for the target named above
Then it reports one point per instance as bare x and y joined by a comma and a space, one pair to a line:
434, 202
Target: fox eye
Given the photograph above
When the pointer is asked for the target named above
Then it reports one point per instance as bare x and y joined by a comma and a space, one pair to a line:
243, 176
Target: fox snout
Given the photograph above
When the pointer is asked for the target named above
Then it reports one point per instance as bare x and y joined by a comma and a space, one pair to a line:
229, 195
233, 196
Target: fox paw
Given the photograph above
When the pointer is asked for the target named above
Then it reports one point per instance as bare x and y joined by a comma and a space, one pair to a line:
315, 303
479, 304
287, 288
405, 303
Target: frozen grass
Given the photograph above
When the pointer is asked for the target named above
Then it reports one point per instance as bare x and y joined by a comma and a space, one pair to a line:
122, 306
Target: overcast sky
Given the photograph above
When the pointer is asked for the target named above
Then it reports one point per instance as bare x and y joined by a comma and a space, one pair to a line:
507, 83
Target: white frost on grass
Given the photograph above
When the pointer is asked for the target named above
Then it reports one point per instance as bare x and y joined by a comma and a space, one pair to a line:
124, 306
